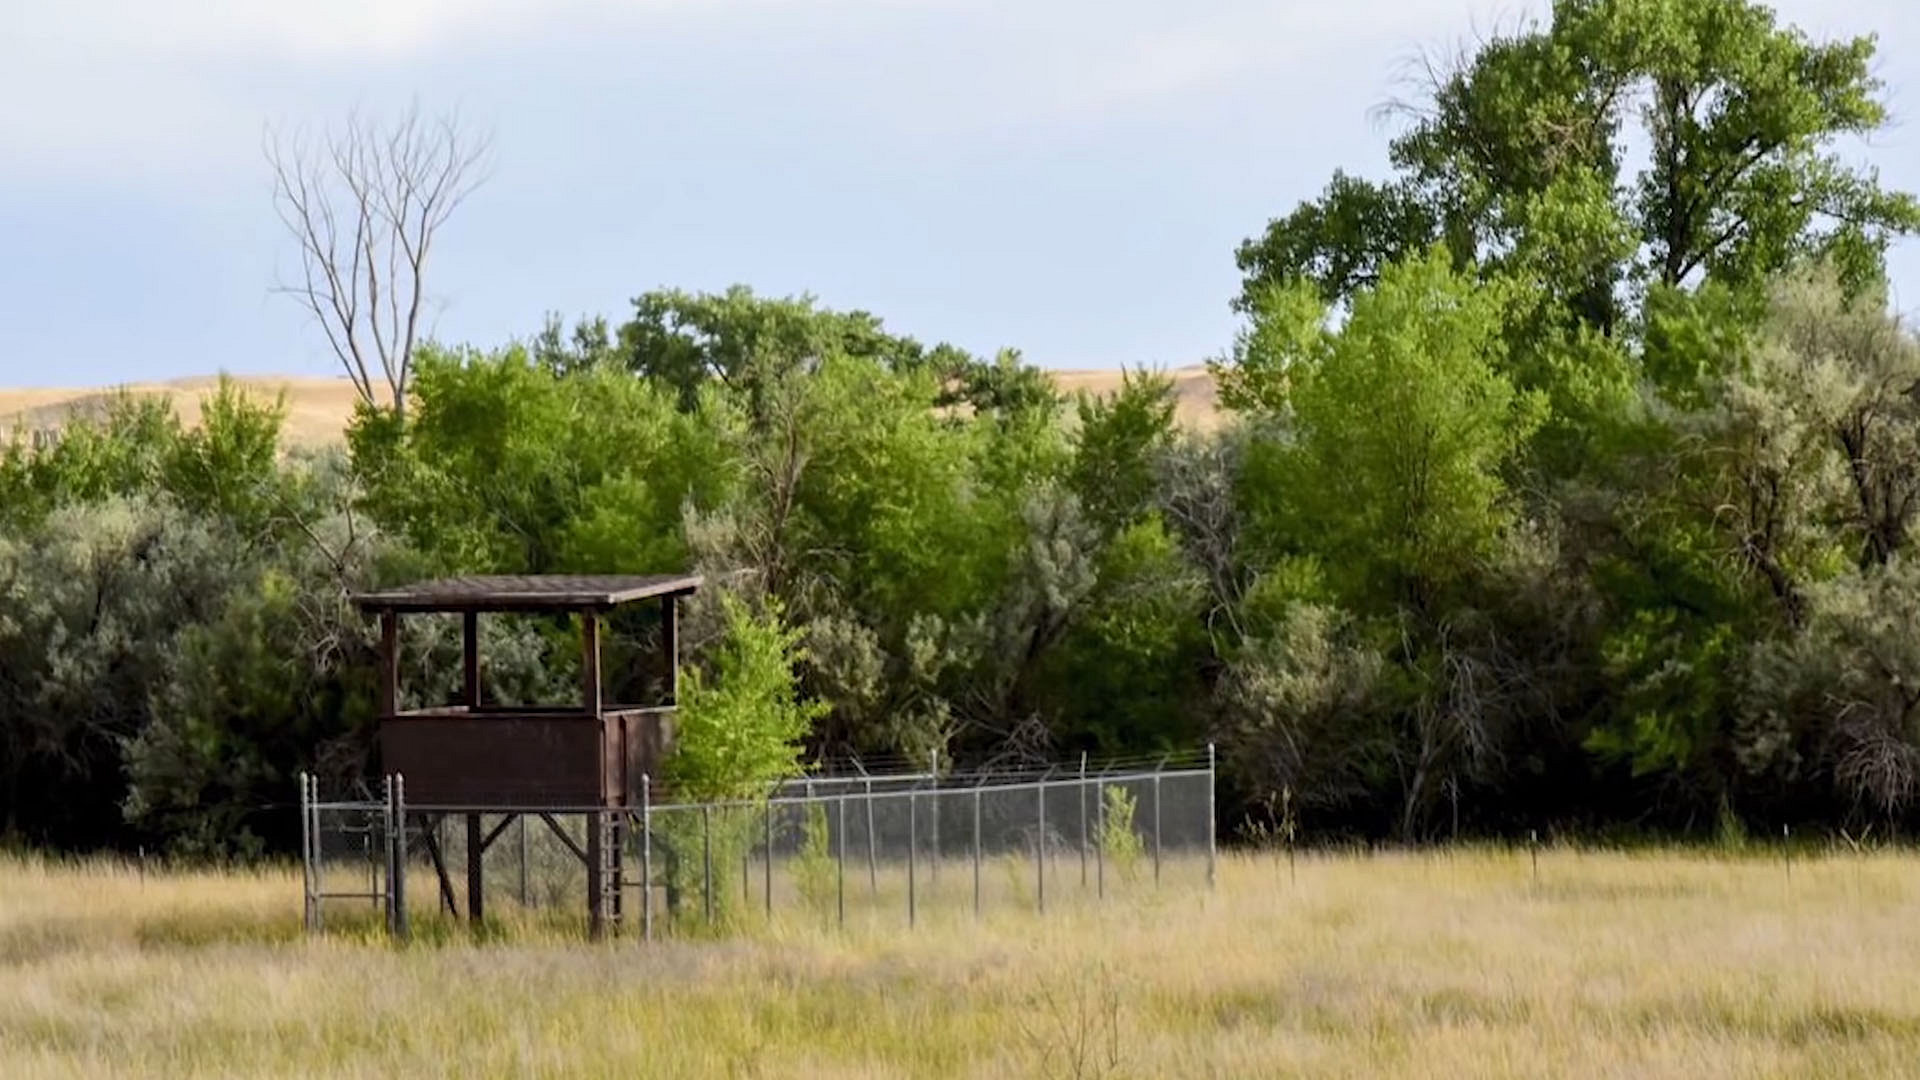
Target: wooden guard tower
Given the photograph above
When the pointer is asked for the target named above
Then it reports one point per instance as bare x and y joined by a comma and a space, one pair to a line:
477, 757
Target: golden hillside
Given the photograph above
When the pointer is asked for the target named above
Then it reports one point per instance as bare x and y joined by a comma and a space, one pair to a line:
318, 407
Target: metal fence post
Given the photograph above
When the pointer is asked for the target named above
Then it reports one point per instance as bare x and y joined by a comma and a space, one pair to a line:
646, 857
769, 854
873, 872
1081, 791
976, 851
840, 859
1212, 824
306, 859
706, 858
319, 862
385, 898
399, 883
1040, 843
913, 844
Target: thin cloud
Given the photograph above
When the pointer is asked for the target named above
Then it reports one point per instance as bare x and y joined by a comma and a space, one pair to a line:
178, 87
213, 28
176, 91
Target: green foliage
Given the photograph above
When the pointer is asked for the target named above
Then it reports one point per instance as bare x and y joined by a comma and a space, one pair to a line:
507, 467
1677, 691
1115, 448
1775, 474
90, 600
1126, 675
123, 452
701, 852
682, 341
1693, 337
1399, 425
739, 728
250, 703
1645, 369
1304, 712
815, 870
737, 731
1340, 242
1119, 843
1004, 388
887, 498
1517, 158
1286, 325
1839, 694
1729, 831
228, 466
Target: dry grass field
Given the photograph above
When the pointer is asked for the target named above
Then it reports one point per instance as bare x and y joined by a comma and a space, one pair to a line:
318, 408
1432, 964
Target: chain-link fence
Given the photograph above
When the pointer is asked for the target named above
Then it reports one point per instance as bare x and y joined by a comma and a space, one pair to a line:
859, 850
842, 854
530, 862
347, 859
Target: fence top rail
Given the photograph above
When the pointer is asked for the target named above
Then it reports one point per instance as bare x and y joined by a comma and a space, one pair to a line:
898, 767
1064, 781
857, 778
799, 790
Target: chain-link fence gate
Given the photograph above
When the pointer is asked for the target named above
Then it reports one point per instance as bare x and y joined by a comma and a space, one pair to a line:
353, 854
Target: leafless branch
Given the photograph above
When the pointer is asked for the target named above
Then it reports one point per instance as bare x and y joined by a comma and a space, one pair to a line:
363, 205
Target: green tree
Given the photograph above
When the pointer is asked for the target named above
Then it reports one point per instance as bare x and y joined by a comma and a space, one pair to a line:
122, 451
1780, 469
1128, 674
506, 466
1519, 151
275, 680
228, 466
889, 532
1375, 490
1398, 425
740, 727
1838, 701
1115, 448
1304, 715
742, 340
90, 600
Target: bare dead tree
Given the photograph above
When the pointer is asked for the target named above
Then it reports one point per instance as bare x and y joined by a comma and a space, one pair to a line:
364, 204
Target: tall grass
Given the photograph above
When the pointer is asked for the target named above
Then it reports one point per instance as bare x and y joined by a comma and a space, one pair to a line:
1456, 963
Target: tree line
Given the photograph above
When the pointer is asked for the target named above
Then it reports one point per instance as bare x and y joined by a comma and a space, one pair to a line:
1567, 479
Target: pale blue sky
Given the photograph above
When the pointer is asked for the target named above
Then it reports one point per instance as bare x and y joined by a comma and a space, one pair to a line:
1069, 177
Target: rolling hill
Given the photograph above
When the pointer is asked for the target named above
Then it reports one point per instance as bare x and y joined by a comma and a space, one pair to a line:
318, 407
